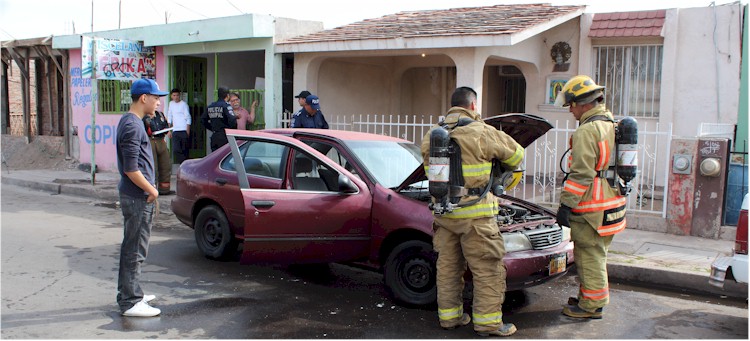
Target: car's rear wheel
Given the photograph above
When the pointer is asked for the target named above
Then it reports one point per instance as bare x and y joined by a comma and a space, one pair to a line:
409, 273
213, 235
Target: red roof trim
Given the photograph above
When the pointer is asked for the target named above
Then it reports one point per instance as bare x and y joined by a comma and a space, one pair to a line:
628, 24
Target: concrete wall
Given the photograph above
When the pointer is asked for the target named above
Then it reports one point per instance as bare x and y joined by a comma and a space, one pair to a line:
711, 94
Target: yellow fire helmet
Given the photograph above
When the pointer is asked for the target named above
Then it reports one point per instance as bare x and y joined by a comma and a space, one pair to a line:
580, 89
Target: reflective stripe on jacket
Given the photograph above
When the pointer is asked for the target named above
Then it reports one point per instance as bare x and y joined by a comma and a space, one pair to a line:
480, 143
589, 195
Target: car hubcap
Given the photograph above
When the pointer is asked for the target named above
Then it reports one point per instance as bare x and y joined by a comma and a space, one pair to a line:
212, 232
417, 274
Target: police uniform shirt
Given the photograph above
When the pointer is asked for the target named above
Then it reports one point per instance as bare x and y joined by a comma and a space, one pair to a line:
306, 121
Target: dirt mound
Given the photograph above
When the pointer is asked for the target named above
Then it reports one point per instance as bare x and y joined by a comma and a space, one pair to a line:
44, 152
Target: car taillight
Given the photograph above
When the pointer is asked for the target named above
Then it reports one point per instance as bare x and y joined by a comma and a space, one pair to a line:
740, 239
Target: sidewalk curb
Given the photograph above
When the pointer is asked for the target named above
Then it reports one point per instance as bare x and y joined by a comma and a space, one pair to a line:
673, 279
42, 186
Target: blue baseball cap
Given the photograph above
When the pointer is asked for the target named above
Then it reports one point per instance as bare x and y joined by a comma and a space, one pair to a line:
313, 101
146, 86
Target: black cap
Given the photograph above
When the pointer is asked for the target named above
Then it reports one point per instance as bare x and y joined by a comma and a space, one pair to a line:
303, 94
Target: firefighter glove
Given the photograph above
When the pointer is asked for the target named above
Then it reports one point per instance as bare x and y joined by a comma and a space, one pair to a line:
563, 215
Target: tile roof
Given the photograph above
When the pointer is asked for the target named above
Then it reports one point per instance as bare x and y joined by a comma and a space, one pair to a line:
490, 20
628, 24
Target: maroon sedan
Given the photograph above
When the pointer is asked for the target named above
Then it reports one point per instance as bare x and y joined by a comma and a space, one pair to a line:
320, 196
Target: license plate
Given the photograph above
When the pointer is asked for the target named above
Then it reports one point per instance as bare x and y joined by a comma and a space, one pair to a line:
557, 263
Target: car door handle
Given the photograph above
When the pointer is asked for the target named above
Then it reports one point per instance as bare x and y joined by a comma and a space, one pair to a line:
263, 203
221, 181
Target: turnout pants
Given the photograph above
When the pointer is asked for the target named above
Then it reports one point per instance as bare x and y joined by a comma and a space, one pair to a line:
591, 263
478, 244
162, 161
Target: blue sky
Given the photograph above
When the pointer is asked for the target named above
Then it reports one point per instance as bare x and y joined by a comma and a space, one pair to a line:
21, 19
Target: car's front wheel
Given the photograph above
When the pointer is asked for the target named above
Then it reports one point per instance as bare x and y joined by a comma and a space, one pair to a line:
409, 273
213, 235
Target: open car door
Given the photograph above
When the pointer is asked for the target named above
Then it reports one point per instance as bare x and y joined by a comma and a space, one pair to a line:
310, 219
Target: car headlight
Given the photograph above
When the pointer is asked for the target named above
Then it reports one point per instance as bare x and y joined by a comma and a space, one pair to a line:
566, 233
516, 241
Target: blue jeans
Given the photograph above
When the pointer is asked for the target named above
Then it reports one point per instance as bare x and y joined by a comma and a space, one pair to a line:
137, 215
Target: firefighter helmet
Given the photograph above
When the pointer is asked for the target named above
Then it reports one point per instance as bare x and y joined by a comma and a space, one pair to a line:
580, 89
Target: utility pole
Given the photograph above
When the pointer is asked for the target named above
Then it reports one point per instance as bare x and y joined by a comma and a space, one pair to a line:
119, 16
92, 15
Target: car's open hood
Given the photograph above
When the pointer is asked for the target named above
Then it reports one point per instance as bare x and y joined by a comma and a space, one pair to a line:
524, 128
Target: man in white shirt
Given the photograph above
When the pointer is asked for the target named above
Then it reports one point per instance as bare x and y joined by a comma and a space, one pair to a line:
178, 117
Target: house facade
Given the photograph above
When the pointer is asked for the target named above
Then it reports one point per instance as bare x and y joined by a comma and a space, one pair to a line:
196, 57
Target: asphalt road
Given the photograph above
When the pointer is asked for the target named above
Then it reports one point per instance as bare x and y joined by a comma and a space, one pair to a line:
58, 281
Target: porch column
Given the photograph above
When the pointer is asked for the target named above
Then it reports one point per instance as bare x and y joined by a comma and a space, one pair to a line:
273, 95
470, 70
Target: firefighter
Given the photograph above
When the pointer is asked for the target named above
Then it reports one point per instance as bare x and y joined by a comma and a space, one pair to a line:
589, 204
469, 235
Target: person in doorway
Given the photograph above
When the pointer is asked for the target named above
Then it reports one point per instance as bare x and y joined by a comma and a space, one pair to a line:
178, 116
135, 163
312, 117
154, 123
588, 204
245, 119
469, 235
301, 101
218, 116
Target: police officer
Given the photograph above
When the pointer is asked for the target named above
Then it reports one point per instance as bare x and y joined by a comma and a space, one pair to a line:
154, 123
470, 234
217, 117
592, 208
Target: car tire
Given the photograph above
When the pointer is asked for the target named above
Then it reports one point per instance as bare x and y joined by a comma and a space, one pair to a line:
409, 274
213, 235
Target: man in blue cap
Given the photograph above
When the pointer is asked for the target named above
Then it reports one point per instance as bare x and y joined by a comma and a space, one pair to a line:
137, 188
312, 117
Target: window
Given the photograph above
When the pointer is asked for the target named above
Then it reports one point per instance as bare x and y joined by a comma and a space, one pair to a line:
260, 158
312, 175
632, 75
114, 96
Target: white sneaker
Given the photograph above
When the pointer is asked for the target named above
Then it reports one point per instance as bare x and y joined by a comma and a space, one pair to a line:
148, 298
142, 309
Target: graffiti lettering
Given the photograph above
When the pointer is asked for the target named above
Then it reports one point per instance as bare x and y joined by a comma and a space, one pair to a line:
81, 100
118, 45
81, 82
710, 147
104, 134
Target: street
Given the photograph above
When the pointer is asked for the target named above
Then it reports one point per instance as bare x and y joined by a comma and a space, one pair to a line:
59, 272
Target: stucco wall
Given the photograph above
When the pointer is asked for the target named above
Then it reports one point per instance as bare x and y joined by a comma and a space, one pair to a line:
707, 67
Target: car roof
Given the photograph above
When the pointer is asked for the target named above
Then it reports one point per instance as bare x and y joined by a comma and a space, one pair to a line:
343, 135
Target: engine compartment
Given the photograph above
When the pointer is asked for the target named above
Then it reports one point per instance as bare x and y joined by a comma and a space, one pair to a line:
513, 214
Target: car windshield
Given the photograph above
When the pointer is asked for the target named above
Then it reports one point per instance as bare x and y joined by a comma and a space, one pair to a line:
389, 162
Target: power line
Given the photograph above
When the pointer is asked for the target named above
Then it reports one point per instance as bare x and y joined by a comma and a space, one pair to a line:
189, 9
237, 8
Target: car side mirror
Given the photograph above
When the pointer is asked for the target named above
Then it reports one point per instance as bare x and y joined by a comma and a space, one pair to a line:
346, 185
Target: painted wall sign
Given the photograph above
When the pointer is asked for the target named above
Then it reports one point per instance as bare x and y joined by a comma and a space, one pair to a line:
117, 59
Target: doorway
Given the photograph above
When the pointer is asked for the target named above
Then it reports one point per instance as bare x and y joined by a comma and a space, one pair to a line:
189, 75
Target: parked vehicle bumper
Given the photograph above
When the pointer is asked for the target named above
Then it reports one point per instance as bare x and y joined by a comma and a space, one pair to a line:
736, 266
523, 266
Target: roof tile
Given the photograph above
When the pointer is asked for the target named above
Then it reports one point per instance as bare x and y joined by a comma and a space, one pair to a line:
490, 20
628, 24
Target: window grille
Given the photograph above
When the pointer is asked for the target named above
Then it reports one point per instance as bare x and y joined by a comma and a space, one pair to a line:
632, 75
114, 96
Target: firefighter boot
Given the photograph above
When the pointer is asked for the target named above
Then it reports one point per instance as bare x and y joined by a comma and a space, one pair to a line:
575, 311
455, 323
506, 329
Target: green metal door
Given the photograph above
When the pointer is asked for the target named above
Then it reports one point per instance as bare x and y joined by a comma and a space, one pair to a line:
189, 75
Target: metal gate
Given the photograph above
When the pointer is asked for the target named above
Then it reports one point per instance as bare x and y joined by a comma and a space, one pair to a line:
543, 181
